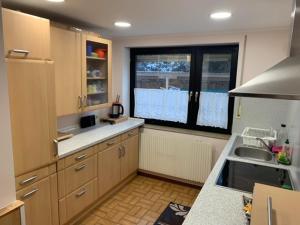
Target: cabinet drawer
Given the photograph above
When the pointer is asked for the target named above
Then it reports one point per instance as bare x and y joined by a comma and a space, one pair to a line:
109, 143
74, 176
34, 176
130, 133
77, 201
75, 158
37, 199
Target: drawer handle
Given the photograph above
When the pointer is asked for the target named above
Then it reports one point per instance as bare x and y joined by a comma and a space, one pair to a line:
80, 168
269, 206
81, 193
110, 143
78, 158
23, 182
29, 194
19, 51
130, 134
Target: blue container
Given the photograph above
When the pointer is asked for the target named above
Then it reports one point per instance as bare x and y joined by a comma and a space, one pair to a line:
89, 49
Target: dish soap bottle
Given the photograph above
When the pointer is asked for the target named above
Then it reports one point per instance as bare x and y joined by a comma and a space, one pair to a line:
284, 157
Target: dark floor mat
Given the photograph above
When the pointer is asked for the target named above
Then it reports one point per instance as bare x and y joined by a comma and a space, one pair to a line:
174, 214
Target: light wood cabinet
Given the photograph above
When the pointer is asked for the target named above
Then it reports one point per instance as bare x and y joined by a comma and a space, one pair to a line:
66, 53
109, 169
77, 201
25, 36
77, 175
285, 206
96, 71
79, 70
37, 199
117, 162
32, 107
130, 156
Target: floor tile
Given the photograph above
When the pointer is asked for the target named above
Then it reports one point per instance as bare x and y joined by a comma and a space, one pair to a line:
140, 202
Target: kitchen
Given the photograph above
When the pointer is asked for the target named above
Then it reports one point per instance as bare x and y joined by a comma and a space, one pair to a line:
177, 135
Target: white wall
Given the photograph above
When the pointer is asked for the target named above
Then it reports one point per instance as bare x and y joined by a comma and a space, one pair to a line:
258, 51
7, 187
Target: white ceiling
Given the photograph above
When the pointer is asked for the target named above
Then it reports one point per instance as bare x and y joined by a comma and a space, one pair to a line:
152, 17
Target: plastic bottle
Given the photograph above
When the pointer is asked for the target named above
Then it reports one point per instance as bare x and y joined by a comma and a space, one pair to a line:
282, 135
285, 156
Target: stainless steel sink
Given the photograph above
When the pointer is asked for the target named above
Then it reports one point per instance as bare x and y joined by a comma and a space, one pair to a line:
253, 153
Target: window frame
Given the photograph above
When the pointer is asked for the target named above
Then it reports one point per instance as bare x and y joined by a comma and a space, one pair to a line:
194, 84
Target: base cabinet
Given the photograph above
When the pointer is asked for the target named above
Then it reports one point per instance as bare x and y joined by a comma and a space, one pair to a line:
109, 168
130, 156
77, 201
37, 199
118, 162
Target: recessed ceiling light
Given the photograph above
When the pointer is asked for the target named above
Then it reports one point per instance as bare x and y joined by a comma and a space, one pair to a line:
56, 1
220, 15
122, 24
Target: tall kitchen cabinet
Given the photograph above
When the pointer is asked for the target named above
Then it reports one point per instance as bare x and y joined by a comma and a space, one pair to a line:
82, 71
33, 119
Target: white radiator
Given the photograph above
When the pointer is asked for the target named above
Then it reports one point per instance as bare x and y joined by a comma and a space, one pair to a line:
173, 154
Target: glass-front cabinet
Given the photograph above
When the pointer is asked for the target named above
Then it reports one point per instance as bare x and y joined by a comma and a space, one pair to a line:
96, 72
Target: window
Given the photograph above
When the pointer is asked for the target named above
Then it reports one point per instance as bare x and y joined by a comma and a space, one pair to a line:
184, 87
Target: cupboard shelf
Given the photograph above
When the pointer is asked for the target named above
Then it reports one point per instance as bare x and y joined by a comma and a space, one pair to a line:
96, 58
97, 93
96, 78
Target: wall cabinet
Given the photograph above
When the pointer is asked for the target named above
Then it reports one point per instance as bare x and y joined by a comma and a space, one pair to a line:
82, 71
66, 53
32, 107
25, 36
96, 71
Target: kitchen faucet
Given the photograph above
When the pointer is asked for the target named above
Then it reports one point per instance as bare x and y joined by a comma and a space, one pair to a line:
264, 144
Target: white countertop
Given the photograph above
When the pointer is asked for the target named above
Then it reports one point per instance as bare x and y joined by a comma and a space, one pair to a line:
95, 136
216, 205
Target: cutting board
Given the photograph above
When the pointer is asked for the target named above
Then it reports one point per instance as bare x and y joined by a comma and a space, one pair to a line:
115, 120
285, 204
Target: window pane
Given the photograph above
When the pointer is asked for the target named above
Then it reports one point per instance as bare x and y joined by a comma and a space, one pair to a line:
213, 109
162, 83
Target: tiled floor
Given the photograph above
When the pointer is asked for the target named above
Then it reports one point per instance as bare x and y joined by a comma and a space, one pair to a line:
140, 202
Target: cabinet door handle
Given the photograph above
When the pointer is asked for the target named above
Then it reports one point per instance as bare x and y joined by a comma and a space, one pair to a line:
124, 151
269, 207
110, 143
56, 147
29, 194
120, 152
18, 51
23, 182
81, 157
80, 168
196, 96
79, 102
79, 194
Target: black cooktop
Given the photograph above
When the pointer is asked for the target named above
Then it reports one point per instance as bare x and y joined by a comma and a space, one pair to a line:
242, 176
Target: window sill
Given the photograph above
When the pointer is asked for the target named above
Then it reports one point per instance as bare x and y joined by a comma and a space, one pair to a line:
186, 131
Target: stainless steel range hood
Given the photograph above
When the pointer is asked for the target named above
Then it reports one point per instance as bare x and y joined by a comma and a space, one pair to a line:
282, 81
